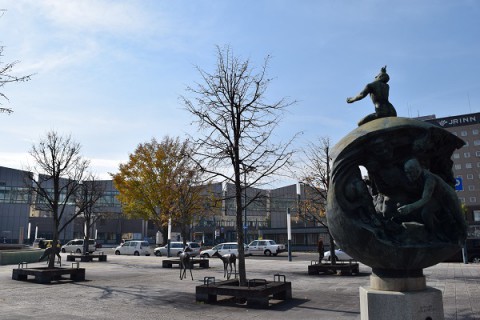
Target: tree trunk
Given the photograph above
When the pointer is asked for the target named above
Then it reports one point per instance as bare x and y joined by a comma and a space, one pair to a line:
333, 259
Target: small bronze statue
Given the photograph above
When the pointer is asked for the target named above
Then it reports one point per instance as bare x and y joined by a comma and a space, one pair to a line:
378, 91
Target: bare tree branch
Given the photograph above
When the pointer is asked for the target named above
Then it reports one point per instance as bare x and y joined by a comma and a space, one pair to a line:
237, 123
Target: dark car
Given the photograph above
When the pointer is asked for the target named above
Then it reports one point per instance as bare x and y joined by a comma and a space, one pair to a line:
473, 252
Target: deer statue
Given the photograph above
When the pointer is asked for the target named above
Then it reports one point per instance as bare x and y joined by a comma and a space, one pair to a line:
185, 262
228, 259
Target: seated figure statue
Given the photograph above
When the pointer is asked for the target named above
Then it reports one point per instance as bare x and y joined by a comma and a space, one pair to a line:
437, 203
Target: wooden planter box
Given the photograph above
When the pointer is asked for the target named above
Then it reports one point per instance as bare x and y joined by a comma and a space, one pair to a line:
87, 257
202, 263
46, 275
258, 292
349, 268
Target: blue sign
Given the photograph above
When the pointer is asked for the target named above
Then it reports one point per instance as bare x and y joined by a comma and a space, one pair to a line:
458, 184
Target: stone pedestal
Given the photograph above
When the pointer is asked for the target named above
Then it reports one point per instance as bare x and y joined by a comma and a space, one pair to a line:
426, 304
403, 284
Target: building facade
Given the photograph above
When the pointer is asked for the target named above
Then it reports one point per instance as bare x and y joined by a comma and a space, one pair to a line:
466, 163
265, 216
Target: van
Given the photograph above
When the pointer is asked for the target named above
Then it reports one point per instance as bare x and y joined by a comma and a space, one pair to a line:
135, 247
76, 245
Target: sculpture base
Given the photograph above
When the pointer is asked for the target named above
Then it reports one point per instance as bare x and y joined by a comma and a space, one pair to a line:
398, 284
395, 305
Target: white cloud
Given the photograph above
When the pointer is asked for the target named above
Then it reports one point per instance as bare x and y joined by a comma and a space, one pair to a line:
96, 16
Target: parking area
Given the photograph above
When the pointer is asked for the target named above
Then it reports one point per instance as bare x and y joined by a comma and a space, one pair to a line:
127, 287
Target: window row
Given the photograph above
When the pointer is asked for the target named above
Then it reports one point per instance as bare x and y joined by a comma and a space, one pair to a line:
464, 133
468, 165
471, 199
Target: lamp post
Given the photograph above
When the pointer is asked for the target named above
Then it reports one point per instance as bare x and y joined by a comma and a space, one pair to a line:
169, 236
245, 206
289, 234
299, 193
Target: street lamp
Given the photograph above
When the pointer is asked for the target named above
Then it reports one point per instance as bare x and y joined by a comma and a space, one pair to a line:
245, 206
299, 193
169, 236
246, 169
289, 234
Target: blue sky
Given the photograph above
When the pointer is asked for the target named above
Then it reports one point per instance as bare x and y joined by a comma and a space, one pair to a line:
110, 73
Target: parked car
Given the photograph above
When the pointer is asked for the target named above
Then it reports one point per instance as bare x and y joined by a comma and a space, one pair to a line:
176, 248
223, 248
265, 247
135, 247
473, 252
339, 254
41, 243
76, 245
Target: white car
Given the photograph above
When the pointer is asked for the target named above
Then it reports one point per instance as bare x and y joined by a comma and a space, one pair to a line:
339, 254
135, 247
265, 247
223, 248
76, 245
176, 248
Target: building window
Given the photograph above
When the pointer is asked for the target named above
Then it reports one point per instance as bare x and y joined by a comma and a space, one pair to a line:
466, 144
471, 188
463, 133
458, 166
477, 153
476, 215
473, 199
457, 156
454, 133
476, 143
466, 154
468, 165
475, 131
462, 200
469, 176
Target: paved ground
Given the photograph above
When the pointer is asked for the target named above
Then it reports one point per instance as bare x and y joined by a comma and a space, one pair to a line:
137, 288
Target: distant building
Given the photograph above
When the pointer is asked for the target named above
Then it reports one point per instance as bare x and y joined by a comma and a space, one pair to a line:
466, 167
14, 205
265, 216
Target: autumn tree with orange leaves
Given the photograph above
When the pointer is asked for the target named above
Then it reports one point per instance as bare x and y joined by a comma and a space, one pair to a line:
160, 182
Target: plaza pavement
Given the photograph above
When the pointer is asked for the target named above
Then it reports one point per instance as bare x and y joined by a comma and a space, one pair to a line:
137, 288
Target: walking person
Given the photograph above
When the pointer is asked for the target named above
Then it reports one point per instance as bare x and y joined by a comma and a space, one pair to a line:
321, 251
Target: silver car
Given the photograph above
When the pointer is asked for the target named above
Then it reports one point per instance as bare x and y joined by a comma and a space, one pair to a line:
176, 248
339, 254
76, 245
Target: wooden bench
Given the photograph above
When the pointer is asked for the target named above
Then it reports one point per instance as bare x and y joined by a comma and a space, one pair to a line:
349, 268
257, 293
46, 275
87, 257
202, 262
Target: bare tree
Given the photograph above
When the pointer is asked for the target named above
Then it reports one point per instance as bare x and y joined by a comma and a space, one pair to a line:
237, 125
6, 75
87, 201
56, 180
315, 172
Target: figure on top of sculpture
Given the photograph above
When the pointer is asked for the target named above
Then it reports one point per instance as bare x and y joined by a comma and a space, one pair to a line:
378, 91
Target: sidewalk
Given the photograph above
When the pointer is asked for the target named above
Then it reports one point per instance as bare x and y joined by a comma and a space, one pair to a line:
138, 288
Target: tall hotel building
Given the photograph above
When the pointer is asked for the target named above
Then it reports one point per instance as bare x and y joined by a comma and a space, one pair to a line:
466, 162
